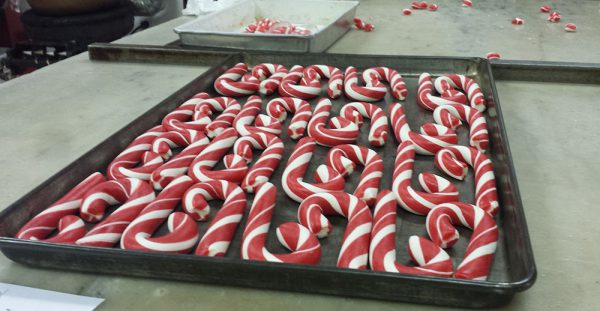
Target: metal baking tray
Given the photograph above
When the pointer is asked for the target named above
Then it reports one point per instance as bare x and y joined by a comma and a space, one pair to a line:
513, 269
329, 20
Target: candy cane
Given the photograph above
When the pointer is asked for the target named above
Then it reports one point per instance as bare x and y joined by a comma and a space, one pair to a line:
335, 76
379, 122
373, 91
183, 231
292, 179
179, 119
44, 223
221, 229
427, 143
430, 258
277, 108
396, 81
250, 114
344, 131
438, 190
479, 255
451, 160
228, 107
354, 253
467, 84
426, 99
270, 76
300, 83
125, 164
178, 165
304, 246
226, 84
343, 159
163, 144
235, 166
265, 165
133, 194
478, 134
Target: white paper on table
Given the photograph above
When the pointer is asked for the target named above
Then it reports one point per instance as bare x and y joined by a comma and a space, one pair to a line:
202, 7
23, 298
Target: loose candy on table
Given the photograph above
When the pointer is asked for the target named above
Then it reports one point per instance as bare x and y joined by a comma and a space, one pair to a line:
270, 76
419, 5
228, 107
426, 99
343, 159
292, 179
221, 229
545, 8
164, 143
133, 194
300, 83
406, 11
335, 76
570, 27
268, 161
438, 190
468, 85
468, 3
430, 258
478, 133
373, 91
359, 24
201, 168
236, 82
341, 131
432, 138
492, 55
518, 21
356, 111
479, 255
433, 7
453, 161
183, 231
277, 108
354, 252
44, 223
375, 75
304, 246
249, 114
554, 17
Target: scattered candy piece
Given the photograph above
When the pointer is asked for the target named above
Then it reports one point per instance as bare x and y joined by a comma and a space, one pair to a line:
493, 55
467, 3
433, 7
419, 5
554, 17
570, 27
518, 21
545, 8
363, 26
406, 11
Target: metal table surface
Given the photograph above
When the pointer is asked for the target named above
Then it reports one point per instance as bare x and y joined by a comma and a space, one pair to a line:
54, 115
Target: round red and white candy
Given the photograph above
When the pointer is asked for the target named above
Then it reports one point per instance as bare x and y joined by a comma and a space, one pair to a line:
371, 92
570, 27
236, 82
478, 133
478, 257
270, 76
250, 114
406, 11
430, 258
453, 161
354, 252
518, 21
392, 76
304, 246
342, 131
268, 161
235, 170
46, 222
433, 7
467, 3
554, 17
356, 111
335, 76
278, 107
545, 8
300, 83
292, 179
468, 85
492, 55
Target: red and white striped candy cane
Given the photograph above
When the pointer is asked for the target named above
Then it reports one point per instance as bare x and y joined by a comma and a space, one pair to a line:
438, 190
277, 108
268, 161
44, 223
468, 85
229, 108
133, 194
270, 76
479, 255
250, 114
425, 143
292, 179
426, 99
430, 258
184, 118
343, 159
228, 85
235, 166
304, 246
221, 229
163, 144
478, 133
300, 83
335, 76
372, 92
354, 253
379, 123
178, 165
451, 160
392, 76
126, 163
183, 231
343, 131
